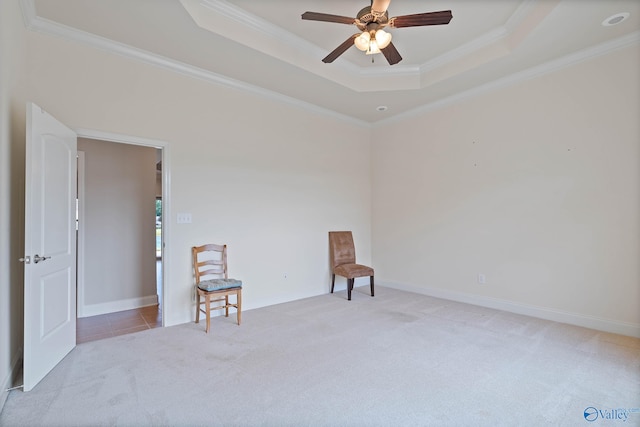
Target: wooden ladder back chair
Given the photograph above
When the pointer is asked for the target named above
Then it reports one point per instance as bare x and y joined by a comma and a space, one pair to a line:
342, 254
212, 283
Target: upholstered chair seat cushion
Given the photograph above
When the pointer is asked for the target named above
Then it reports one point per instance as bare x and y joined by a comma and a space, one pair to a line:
351, 271
219, 284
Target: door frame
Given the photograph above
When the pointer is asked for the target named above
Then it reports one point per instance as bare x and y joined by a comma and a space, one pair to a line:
166, 180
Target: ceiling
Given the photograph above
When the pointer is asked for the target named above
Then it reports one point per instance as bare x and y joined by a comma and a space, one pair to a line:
265, 46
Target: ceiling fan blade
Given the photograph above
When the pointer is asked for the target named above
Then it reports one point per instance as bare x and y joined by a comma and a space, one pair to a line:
340, 49
325, 17
420, 19
391, 53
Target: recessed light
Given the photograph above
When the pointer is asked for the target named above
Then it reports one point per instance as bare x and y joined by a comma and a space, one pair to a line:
381, 108
615, 19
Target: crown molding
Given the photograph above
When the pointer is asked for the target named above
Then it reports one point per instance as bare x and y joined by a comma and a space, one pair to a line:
521, 13
528, 74
45, 26
28, 8
231, 21
302, 46
41, 25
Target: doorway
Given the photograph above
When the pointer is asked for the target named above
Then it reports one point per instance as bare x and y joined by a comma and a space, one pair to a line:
112, 236
50, 232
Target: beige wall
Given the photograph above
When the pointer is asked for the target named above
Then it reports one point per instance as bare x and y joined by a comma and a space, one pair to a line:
266, 178
536, 186
12, 134
118, 227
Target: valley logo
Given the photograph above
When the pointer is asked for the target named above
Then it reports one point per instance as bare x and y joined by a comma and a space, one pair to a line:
621, 414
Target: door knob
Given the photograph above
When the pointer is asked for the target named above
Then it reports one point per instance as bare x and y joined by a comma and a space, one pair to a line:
37, 258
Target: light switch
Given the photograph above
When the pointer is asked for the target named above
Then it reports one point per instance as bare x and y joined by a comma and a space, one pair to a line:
184, 218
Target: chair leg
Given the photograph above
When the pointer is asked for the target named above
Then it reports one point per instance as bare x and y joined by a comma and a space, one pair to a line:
207, 303
239, 308
197, 306
333, 281
349, 288
226, 306
371, 281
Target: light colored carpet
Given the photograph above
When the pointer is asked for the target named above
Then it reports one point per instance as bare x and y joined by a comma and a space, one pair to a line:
396, 359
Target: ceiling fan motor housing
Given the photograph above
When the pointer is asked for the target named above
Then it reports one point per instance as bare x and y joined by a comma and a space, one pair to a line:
365, 17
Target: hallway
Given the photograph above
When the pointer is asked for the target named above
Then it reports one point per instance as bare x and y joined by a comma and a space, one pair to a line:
120, 323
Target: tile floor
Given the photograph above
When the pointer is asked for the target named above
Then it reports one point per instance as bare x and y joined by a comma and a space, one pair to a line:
120, 323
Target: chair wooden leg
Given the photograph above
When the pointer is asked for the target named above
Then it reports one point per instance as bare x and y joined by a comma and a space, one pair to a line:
226, 306
333, 281
349, 288
371, 281
239, 310
207, 303
197, 306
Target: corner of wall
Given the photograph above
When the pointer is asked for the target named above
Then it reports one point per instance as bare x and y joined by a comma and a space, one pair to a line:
10, 380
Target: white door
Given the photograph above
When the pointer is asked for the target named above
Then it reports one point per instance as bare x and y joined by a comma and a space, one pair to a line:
50, 245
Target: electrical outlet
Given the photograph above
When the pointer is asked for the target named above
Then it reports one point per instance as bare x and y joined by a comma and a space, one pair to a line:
482, 279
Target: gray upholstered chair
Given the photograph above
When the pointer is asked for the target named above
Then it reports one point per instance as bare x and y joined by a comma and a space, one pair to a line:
212, 282
342, 254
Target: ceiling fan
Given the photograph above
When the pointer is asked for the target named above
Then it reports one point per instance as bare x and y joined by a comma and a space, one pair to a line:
371, 21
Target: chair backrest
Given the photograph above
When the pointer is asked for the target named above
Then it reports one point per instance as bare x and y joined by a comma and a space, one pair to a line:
209, 260
341, 248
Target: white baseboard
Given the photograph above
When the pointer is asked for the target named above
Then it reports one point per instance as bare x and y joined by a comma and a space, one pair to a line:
586, 321
7, 382
113, 306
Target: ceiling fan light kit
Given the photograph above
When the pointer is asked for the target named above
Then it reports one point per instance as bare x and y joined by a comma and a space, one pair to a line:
371, 21
383, 38
362, 41
372, 42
